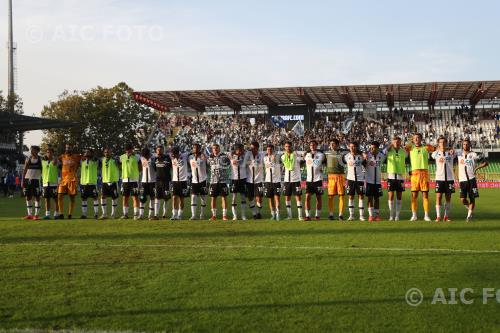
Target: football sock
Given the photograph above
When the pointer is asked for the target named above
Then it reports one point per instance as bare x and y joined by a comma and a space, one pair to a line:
390, 204
252, 207
341, 205
37, 207
288, 208
194, 203
96, 206
60, 203
414, 206
398, 207
447, 207
426, 206
141, 209
234, 209
103, 206
203, 205
72, 206
243, 207
351, 207
84, 208
157, 207
29, 207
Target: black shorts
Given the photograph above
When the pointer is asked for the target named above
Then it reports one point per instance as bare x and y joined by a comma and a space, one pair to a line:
49, 192
354, 187
180, 189
314, 187
469, 188
254, 190
146, 190
109, 190
272, 189
130, 189
199, 188
374, 190
292, 188
443, 186
395, 185
88, 191
32, 188
162, 190
239, 186
219, 189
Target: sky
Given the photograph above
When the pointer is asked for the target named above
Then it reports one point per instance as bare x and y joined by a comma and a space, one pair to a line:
166, 45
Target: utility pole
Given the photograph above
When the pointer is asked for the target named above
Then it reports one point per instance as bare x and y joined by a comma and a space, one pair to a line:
11, 94
11, 85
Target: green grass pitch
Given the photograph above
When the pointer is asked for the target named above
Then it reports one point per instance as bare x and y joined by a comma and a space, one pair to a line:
255, 276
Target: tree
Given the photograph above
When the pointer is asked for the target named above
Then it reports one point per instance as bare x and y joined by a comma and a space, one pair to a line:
12, 104
108, 117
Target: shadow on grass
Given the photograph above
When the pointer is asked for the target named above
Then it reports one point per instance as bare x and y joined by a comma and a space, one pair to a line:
214, 308
238, 260
310, 230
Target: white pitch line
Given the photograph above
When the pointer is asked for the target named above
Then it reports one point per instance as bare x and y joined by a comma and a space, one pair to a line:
269, 247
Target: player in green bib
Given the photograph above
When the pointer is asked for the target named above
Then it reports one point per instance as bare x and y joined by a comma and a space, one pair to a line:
110, 174
396, 171
88, 182
50, 173
130, 165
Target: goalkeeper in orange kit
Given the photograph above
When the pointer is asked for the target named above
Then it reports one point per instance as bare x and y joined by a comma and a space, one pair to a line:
69, 163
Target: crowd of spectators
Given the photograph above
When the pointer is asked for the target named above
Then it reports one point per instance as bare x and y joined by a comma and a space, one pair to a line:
226, 130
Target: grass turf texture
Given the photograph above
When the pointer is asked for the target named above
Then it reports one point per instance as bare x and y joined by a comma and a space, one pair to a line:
247, 276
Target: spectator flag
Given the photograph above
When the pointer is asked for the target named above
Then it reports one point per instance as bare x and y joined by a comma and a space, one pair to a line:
278, 121
347, 125
298, 128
